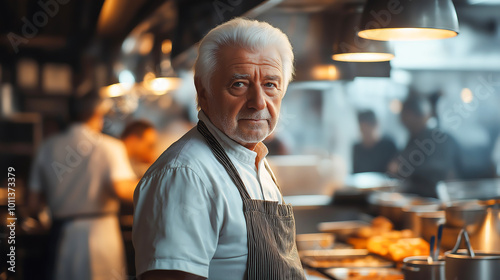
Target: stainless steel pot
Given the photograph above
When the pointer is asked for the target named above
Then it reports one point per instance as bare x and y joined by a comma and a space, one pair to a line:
486, 235
391, 204
461, 266
429, 222
418, 268
467, 265
412, 217
464, 213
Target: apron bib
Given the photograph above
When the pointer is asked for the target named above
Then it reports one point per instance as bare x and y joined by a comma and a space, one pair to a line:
56, 235
272, 252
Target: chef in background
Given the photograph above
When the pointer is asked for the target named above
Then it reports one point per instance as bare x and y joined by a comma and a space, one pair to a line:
374, 152
430, 155
140, 139
496, 156
81, 174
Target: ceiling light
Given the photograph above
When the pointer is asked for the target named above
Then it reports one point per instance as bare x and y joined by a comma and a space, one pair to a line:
408, 20
350, 47
113, 90
363, 57
159, 86
466, 95
325, 72
167, 79
166, 46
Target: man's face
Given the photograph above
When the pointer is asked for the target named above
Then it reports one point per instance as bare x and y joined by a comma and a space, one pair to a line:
367, 129
246, 93
144, 147
412, 121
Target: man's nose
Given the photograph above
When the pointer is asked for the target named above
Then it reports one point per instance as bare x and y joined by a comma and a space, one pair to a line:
256, 98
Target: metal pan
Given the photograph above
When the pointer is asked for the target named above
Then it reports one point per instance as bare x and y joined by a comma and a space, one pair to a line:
468, 264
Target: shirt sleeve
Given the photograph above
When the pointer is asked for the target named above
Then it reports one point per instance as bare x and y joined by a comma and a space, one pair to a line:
176, 225
37, 179
36, 173
120, 168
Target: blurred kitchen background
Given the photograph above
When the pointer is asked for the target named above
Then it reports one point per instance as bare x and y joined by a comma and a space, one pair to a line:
139, 54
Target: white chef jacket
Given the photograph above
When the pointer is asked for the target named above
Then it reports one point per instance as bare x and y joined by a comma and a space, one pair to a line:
189, 213
74, 171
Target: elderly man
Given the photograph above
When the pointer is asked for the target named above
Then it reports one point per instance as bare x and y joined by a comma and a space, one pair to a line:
210, 207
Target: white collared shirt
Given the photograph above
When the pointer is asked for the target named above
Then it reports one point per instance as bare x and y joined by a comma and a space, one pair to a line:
189, 213
75, 171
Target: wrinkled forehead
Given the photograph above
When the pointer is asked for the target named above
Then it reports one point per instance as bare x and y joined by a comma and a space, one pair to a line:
237, 57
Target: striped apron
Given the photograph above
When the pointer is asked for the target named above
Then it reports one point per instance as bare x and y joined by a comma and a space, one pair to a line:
272, 252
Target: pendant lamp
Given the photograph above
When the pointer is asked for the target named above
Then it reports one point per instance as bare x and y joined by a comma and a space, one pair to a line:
168, 79
350, 47
408, 20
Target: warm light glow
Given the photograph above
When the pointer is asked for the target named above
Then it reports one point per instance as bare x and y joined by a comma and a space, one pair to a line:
166, 46
149, 76
113, 90
325, 72
406, 34
396, 106
107, 16
466, 95
363, 57
146, 42
161, 86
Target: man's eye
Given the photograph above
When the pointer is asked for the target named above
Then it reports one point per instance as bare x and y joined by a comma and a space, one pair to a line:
270, 84
238, 84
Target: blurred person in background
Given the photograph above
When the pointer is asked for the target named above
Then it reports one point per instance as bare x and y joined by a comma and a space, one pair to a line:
430, 155
81, 174
374, 152
173, 125
209, 207
140, 139
496, 156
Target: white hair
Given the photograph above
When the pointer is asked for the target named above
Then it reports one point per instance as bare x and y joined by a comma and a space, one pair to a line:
252, 35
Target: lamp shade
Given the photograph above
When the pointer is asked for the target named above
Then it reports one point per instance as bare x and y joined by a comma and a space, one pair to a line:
350, 47
408, 20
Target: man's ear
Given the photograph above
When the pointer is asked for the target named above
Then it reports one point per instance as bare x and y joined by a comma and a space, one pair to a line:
201, 94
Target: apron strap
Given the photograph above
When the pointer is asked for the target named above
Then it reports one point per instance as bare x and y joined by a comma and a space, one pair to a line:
222, 157
274, 180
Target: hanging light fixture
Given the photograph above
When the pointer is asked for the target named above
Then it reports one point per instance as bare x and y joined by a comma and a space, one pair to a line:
350, 47
168, 79
408, 20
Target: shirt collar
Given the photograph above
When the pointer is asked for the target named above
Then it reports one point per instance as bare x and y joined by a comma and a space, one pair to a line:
234, 148
78, 127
